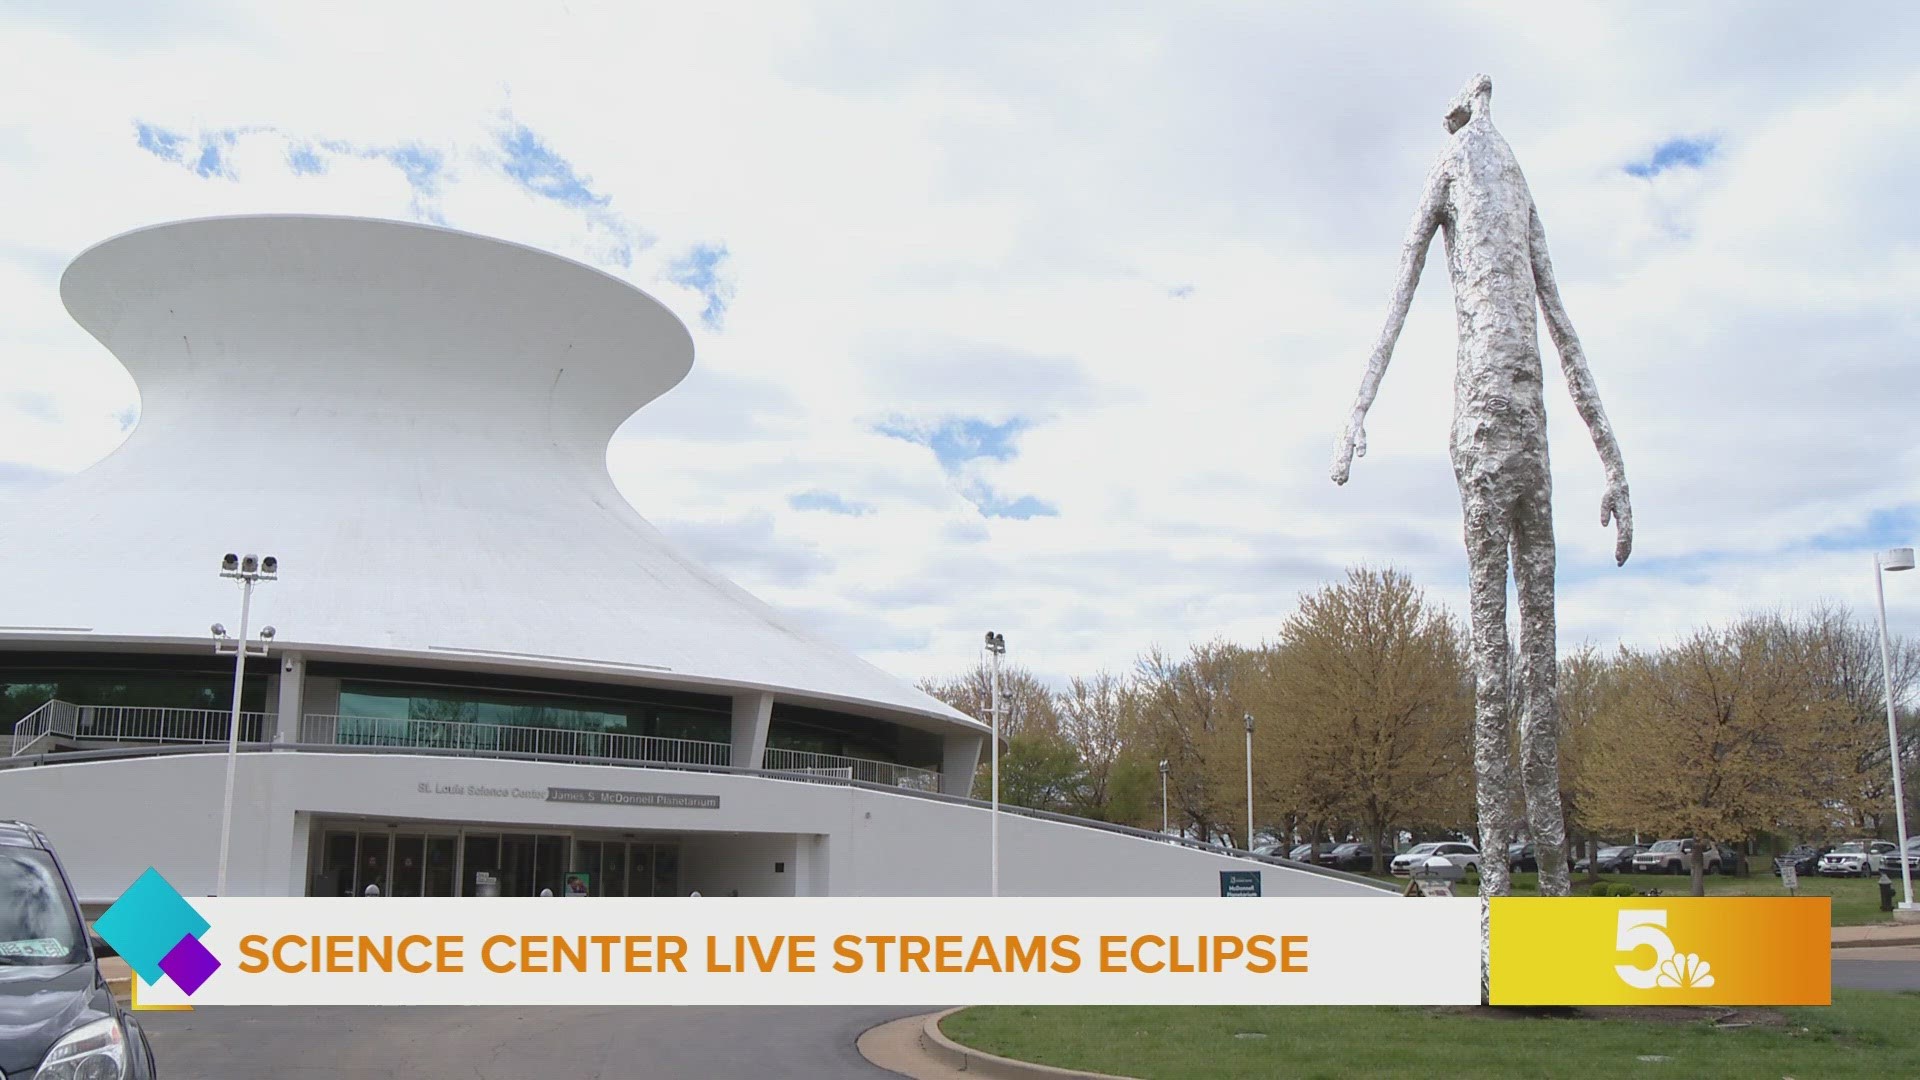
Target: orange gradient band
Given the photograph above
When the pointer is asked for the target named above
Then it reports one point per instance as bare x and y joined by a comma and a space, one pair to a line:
1661, 950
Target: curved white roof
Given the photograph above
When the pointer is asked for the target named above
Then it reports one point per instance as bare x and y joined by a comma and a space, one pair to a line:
415, 421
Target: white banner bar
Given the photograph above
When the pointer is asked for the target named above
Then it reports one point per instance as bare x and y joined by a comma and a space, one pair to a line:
834, 951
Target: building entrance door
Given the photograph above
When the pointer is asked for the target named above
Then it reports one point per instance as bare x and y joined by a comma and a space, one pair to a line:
409, 865
372, 867
461, 862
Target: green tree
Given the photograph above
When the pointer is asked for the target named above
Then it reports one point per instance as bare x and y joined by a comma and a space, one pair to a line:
1370, 684
1716, 738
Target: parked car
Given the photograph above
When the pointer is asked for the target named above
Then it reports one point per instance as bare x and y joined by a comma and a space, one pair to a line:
1911, 858
1856, 858
1676, 857
57, 1017
1805, 859
1302, 853
1522, 857
1458, 853
1612, 859
1348, 857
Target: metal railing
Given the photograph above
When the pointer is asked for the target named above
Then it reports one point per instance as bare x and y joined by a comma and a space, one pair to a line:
129, 723
514, 739
143, 724
885, 773
40, 726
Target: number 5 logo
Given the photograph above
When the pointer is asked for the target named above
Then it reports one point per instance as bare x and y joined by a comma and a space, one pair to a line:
1671, 969
1639, 928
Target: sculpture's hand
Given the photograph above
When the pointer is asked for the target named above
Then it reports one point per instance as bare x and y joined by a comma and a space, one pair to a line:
1353, 443
1616, 510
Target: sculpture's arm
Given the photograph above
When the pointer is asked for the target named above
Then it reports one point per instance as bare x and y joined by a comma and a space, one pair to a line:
1413, 257
1615, 509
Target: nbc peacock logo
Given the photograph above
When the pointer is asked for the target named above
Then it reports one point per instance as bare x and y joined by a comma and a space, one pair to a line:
1671, 969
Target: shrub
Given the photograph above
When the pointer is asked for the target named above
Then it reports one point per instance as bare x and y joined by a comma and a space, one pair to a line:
1600, 888
1622, 890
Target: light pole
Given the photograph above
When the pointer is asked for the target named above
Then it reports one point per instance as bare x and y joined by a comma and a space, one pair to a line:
1163, 794
1900, 558
1249, 781
996, 646
247, 571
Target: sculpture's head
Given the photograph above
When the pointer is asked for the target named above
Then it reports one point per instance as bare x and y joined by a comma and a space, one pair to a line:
1471, 101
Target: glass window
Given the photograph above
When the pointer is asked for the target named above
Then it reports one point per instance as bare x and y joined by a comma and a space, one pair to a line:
613, 877
37, 923
25, 691
394, 714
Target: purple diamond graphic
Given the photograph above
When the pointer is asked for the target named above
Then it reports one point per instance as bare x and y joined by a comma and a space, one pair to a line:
189, 964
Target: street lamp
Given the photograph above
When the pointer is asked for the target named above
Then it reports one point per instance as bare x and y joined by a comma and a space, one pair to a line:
248, 571
996, 647
1163, 794
1249, 781
1900, 558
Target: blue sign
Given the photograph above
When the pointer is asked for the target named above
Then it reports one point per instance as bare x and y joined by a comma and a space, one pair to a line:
1239, 883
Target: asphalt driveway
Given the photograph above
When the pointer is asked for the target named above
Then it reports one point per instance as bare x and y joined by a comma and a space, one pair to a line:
491, 1043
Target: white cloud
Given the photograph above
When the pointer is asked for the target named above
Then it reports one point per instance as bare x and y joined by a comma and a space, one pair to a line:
982, 211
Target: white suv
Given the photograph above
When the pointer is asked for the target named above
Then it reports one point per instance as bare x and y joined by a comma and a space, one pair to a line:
1857, 858
1459, 854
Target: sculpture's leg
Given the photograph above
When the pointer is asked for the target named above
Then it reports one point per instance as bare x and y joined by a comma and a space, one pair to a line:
1533, 567
1488, 535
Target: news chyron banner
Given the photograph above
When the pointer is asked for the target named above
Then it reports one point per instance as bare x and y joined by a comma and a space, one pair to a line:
1010, 950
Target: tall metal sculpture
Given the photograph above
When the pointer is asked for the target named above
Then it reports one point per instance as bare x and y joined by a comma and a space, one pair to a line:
1497, 257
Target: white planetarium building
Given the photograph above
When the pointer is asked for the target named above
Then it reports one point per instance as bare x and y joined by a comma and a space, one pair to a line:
488, 675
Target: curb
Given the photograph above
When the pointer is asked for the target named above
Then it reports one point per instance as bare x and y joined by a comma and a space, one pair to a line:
968, 1060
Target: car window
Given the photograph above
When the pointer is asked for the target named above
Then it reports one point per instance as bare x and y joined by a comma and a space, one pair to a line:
1667, 845
37, 923
1423, 849
1853, 847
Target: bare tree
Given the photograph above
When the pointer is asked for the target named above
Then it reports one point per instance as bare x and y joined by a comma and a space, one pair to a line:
1094, 715
1192, 715
1843, 656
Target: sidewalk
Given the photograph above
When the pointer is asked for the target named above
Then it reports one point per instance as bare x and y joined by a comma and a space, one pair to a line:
1861, 937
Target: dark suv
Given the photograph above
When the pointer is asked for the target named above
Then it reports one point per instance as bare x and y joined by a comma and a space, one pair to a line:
57, 1018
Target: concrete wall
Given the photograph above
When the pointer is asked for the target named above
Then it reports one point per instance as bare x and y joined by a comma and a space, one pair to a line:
752, 865
110, 820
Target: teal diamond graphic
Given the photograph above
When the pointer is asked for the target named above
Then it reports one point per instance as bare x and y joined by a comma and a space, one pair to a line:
146, 923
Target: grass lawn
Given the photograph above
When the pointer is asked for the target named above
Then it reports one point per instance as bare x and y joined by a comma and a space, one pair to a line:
1863, 1034
1856, 901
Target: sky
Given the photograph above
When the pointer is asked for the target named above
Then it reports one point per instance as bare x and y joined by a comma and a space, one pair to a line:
1043, 318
